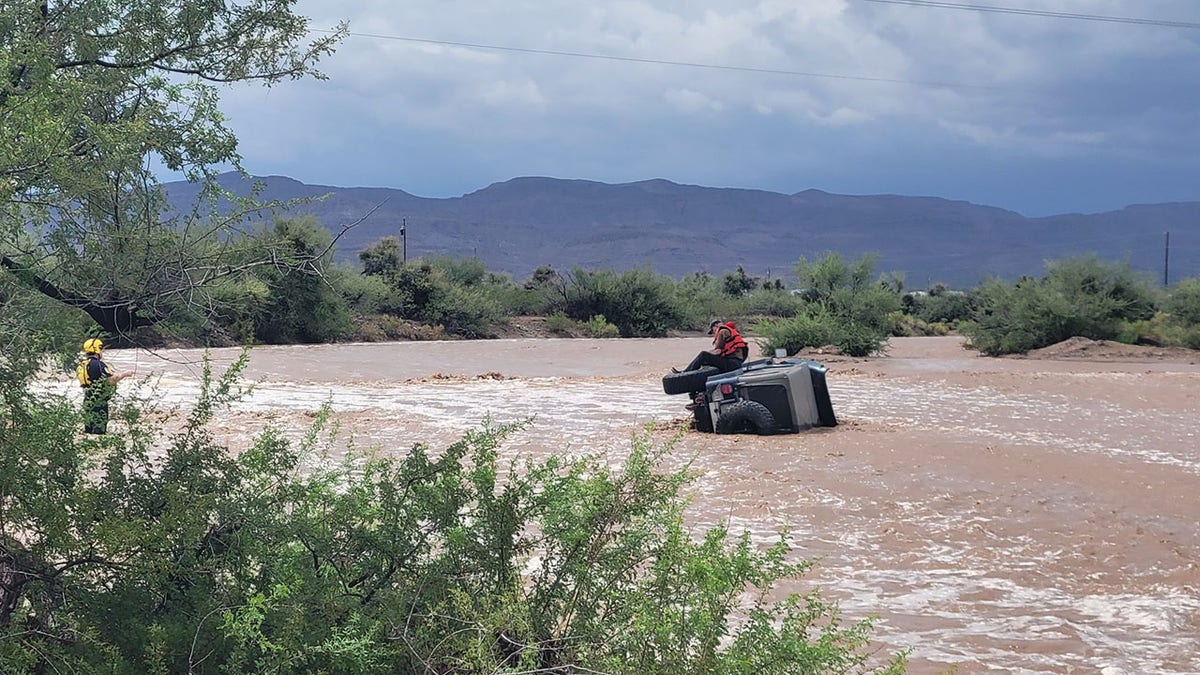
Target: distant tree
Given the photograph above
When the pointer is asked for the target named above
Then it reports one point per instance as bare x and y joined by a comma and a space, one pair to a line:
738, 283
381, 258
301, 306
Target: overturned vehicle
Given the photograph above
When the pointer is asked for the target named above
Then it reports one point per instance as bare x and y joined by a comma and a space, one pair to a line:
767, 396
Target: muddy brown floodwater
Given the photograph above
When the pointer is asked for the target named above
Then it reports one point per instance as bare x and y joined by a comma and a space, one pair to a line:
1013, 515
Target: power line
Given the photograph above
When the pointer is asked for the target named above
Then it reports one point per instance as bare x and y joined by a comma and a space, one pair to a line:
662, 62
1039, 12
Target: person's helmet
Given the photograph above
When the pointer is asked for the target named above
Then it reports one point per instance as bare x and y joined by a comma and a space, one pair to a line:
712, 327
92, 346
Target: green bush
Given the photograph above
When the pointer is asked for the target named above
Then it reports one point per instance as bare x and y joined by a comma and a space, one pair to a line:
299, 304
599, 327
456, 295
1183, 303
767, 302
470, 312
1077, 297
1162, 330
820, 330
904, 325
852, 294
561, 324
279, 558
638, 302
944, 306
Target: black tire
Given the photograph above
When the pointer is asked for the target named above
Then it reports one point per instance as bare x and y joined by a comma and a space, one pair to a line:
746, 417
689, 381
703, 418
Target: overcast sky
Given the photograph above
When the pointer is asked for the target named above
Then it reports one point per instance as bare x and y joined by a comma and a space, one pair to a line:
1032, 112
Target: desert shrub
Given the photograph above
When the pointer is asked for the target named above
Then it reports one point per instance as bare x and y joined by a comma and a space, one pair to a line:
1077, 297
599, 327
701, 299
1017, 318
768, 302
851, 293
904, 325
1183, 303
280, 558
939, 306
457, 295
638, 302
299, 304
470, 312
561, 324
819, 330
1161, 330
365, 294
464, 271
845, 305
386, 328
543, 293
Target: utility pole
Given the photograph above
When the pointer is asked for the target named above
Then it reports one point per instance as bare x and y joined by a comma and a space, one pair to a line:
403, 240
1167, 261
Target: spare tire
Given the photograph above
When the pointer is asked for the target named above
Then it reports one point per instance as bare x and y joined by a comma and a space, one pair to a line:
689, 380
746, 417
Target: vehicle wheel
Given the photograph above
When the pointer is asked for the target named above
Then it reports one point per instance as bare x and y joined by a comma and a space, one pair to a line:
688, 381
746, 417
703, 418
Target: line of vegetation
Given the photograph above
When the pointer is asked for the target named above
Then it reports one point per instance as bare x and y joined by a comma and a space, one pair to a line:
826, 302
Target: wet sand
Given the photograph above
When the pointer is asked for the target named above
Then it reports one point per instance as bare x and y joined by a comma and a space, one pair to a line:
1013, 515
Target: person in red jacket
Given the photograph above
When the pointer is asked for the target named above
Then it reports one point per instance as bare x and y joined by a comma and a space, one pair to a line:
729, 348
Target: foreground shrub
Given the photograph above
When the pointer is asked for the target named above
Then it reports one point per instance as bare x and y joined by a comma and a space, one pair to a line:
281, 559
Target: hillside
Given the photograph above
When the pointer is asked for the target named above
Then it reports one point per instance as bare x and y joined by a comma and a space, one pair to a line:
519, 224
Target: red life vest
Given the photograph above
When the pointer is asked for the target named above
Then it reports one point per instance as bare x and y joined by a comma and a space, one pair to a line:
735, 341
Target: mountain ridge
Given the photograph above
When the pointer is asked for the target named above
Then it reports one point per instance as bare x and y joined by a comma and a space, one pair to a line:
514, 226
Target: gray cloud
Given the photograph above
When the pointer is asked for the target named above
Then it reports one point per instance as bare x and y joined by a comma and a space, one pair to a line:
1021, 99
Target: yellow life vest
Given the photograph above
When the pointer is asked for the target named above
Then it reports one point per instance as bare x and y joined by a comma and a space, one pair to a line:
81, 372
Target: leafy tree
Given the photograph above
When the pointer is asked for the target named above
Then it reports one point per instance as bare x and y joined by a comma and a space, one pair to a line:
301, 305
94, 95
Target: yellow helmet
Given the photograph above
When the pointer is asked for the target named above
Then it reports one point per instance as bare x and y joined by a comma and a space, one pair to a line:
92, 346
